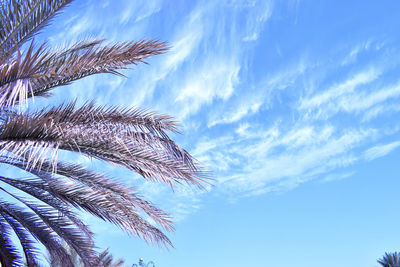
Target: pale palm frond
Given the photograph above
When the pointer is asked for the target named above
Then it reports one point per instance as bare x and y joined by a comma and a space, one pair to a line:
21, 19
67, 65
36, 72
153, 157
21, 72
16, 76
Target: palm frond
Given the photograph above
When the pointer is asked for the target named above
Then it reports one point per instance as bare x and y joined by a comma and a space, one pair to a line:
93, 192
36, 72
47, 197
28, 244
16, 76
67, 65
107, 259
64, 228
390, 260
9, 255
105, 208
118, 120
153, 157
77, 47
119, 194
38, 229
21, 19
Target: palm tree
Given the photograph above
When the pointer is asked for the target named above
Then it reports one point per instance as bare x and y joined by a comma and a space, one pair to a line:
41, 208
390, 260
106, 259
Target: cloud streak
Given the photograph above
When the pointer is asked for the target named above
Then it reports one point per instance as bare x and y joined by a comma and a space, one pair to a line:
380, 150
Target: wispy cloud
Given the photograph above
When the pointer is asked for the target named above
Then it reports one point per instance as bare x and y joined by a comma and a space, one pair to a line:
214, 81
311, 137
327, 100
272, 162
139, 11
380, 150
337, 176
254, 26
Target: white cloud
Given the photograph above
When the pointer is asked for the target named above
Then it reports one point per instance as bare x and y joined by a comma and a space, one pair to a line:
183, 47
139, 10
380, 150
81, 26
206, 145
216, 80
306, 136
352, 56
380, 110
339, 90
337, 176
363, 101
237, 112
263, 11
265, 170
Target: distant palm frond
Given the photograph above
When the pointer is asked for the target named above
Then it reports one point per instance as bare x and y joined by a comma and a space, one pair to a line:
107, 259
390, 260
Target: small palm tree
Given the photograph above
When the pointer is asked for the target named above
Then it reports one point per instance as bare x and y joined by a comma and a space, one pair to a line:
132, 138
106, 259
390, 260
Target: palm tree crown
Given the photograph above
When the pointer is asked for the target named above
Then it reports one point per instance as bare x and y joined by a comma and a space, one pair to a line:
44, 209
390, 260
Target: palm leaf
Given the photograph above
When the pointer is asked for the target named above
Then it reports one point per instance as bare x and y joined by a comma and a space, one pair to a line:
9, 255
38, 229
48, 198
64, 228
52, 192
67, 65
21, 19
16, 76
28, 244
390, 260
36, 72
107, 259
154, 158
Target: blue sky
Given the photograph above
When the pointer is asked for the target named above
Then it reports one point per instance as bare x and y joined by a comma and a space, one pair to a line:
294, 107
